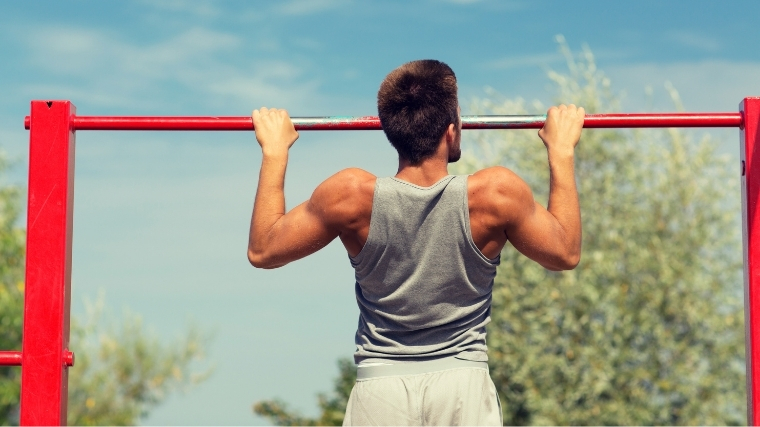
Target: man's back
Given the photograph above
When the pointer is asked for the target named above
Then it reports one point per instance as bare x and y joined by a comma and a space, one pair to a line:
423, 287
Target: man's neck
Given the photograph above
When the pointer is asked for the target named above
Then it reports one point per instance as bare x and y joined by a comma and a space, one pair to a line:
424, 174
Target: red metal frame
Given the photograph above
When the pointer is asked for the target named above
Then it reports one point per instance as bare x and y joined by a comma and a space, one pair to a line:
750, 161
44, 376
45, 355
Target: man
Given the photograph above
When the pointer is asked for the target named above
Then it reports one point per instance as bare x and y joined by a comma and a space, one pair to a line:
424, 244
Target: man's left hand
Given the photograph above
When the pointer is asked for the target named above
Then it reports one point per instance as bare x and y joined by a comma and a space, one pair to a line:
274, 131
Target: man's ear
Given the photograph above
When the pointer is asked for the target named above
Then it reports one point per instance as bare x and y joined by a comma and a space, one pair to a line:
451, 133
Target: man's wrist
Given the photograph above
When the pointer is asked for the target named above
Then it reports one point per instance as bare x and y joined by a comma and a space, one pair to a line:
275, 155
557, 154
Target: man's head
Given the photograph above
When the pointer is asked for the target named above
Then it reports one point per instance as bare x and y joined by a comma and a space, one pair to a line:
416, 103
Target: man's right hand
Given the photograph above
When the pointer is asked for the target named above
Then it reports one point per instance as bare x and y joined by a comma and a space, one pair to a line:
562, 128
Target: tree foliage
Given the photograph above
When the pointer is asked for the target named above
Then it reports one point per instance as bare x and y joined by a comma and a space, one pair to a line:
121, 370
11, 293
332, 407
648, 329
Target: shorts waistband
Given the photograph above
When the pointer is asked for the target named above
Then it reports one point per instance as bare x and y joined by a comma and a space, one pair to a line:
389, 369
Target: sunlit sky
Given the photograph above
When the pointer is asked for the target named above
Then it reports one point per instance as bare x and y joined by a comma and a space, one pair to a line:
161, 219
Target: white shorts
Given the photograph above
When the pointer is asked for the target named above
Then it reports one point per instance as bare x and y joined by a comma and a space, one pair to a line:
439, 392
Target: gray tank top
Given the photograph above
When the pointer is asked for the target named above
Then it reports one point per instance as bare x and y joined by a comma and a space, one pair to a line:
423, 287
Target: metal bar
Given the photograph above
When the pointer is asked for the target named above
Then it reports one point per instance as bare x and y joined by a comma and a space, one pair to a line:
649, 120
13, 358
10, 358
750, 164
44, 375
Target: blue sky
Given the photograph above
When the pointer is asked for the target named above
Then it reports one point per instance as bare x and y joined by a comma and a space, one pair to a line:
161, 219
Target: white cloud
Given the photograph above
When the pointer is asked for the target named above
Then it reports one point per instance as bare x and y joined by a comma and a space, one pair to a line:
195, 7
77, 94
103, 69
307, 7
546, 59
308, 44
501, 5
78, 50
259, 88
694, 40
710, 85
519, 61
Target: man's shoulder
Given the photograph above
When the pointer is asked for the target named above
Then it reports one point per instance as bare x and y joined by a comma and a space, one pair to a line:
498, 187
350, 182
496, 178
354, 176
347, 194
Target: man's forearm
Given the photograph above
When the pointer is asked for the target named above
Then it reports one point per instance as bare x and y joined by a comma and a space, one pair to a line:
563, 200
269, 204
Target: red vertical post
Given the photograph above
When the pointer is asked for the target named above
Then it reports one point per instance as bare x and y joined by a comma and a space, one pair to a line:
750, 164
44, 374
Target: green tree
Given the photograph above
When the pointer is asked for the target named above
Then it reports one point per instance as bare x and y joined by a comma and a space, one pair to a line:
121, 370
648, 329
333, 406
11, 292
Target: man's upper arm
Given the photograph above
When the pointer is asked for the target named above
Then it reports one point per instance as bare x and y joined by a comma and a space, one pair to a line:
531, 229
313, 224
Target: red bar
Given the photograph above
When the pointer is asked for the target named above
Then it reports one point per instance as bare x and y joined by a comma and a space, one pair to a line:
663, 120
10, 358
669, 120
13, 358
44, 376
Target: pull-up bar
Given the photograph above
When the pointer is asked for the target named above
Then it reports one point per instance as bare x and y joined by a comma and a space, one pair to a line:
650, 120
45, 356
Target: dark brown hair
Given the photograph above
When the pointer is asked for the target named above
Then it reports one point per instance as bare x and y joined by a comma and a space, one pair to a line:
416, 103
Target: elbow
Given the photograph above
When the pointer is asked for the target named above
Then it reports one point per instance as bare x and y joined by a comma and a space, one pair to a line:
569, 262
256, 259
564, 263
259, 259
570, 258
264, 260
572, 261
